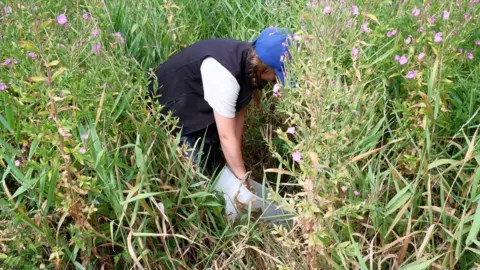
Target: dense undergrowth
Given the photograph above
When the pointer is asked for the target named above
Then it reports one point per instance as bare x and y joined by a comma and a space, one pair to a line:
374, 143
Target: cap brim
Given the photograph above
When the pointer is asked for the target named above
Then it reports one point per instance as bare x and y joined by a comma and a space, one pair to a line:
280, 76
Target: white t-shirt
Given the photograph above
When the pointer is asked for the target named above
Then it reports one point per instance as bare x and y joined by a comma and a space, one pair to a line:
220, 87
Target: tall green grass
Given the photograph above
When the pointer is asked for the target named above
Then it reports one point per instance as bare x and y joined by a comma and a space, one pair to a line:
389, 170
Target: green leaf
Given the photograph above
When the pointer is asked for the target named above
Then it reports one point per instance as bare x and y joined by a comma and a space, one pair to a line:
398, 200
9, 148
33, 148
201, 194
419, 265
139, 197
440, 162
78, 266
473, 234
5, 123
28, 46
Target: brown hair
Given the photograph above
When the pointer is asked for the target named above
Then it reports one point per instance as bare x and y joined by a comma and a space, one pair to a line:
256, 68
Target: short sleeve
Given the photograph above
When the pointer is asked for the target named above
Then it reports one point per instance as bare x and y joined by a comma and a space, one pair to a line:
220, 87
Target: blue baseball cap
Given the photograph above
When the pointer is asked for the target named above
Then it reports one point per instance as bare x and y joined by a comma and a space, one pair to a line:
272, 48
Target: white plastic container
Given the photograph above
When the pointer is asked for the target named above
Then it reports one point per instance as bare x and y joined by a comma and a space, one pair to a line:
238, 197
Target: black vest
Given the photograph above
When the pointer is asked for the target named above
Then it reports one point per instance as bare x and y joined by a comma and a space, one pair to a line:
180, 87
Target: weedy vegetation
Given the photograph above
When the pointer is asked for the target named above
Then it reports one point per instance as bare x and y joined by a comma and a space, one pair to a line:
373, 143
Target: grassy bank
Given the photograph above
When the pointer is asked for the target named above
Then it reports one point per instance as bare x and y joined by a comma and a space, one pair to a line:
381, 168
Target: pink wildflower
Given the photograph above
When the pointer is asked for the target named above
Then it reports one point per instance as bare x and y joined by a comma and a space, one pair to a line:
408, 40
356, 193
18, 163
291, 130
327, 10
431, 20
411, 74
61, 19
446, 15
365, 28
397, 57
86, 16
85, 136
438, 37
95, 32
403, 60
7, 61
415, 12
421, 56
297, 156
3, 86
392, 33
477, 42
83, 150
355, 10
8, 9
276, 90
31, 54
470, 56
420, 29
354, 53
96, 48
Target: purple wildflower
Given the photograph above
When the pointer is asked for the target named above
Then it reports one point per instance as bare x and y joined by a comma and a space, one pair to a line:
408, 40
470, 56
297, 156
411, 74
438, 37
276, 90
3, 86
31, 54
365, 28
62, 19
86, 16
446, 15
95, 32
355, 10
392, 33
354, 53
96, 48
327, 10
415, 12
7, 61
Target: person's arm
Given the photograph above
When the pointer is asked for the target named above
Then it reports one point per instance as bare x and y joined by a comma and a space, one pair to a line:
231, 144
221, 92
239, 124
